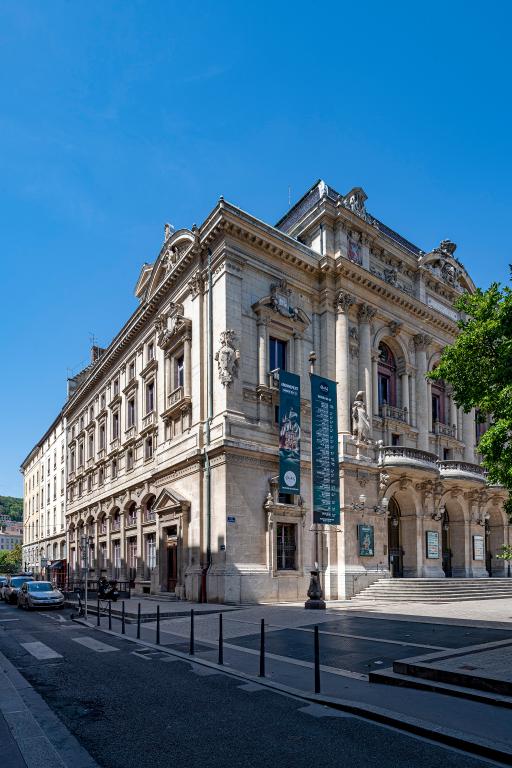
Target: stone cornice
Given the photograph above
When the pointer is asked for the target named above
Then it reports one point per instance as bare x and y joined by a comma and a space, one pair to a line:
412, 305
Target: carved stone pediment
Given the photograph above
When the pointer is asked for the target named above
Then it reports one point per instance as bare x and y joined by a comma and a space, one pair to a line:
280, 302
171, 325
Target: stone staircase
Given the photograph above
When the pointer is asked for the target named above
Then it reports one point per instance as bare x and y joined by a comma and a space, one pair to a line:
433, 590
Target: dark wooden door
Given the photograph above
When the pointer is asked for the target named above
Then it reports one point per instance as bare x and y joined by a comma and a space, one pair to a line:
172, 565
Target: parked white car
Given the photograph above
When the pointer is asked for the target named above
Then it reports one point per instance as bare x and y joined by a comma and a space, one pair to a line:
37, 594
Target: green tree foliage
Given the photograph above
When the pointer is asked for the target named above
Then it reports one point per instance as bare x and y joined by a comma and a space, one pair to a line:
10, 560
479, 368
11, 506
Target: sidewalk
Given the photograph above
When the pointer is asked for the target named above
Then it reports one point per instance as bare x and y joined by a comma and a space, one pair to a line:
31, 735
169, 609
481, 728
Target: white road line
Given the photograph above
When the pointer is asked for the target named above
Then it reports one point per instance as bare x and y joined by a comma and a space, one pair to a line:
9, 620
41, 651
55, 617
141, 655
94, 645
375, 639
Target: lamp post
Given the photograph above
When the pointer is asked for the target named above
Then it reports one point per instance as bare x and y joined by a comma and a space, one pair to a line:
315, 599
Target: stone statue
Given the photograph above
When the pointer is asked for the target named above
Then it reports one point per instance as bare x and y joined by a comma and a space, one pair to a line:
361, 428
227, 357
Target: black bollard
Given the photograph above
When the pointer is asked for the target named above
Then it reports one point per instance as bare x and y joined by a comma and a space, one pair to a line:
110, 614
262, 649
98, 611
138, 622
317, 660
221, 641
158, 625
122, 619
191, 649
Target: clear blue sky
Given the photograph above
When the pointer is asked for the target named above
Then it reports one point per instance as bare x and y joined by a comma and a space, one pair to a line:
118, 116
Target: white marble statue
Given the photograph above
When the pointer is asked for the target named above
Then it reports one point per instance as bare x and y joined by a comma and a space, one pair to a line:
361, 429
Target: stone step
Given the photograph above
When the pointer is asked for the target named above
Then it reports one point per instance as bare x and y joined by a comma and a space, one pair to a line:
390, 677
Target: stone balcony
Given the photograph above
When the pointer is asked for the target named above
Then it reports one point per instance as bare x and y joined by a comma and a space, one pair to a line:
462, 470
148, 421
411, 458
444, 429
392, 412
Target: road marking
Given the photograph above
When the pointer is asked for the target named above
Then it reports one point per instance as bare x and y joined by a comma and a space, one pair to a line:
141, 655
94, 645
9, 620
374, 639
58, 618
41, 651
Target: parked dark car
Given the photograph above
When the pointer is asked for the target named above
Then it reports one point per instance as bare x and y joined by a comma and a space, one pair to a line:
3, 582
39, 594
14, 583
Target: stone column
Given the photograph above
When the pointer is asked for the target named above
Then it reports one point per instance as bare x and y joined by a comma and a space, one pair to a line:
431, 426
468, 435
366, 314
375, 382
453, 415
122, 541
405, 394
342, 304
108, 564
421, 342
298, 361
412, 399
262, 351
187, 364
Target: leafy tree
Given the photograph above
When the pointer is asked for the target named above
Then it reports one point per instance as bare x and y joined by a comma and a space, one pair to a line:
10, 559
478, 365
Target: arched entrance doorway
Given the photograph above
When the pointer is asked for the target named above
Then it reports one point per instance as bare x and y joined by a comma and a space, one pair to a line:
395, 550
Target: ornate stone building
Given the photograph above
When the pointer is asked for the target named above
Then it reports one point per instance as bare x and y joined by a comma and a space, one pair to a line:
172, 430
44, 503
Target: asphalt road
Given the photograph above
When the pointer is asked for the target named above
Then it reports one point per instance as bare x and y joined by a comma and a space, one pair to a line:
133, 708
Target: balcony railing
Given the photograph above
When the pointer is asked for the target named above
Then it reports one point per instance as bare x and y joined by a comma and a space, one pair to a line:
400, 455
174, 397
392, 412
462, 470
444, 429
149, 420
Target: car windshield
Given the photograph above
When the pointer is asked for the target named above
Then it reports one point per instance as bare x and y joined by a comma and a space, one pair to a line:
40, 586
17, 582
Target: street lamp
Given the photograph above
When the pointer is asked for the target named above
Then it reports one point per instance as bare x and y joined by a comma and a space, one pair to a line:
315, 593
377, 509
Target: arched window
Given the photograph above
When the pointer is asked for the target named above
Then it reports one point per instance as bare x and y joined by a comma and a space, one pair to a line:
132, 514
116, 520
438, 403
149, 512
386, 376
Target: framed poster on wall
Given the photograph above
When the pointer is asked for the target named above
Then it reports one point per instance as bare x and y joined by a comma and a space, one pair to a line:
432, 545
478, 548
365, 536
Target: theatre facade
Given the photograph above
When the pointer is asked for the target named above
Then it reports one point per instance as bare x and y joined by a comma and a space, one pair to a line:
172, 431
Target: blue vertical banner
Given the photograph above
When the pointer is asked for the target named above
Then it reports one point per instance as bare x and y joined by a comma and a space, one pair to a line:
324, 449
289, 432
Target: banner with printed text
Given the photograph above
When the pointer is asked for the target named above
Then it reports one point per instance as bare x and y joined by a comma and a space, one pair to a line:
324, 434
289, 432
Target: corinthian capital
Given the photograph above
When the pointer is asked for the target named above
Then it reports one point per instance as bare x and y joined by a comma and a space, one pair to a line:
366, 313
343, 301
422, 341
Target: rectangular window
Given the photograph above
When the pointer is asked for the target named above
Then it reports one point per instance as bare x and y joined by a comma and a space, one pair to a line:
101, 476
151, 351
384, 390
89, 483
131, 371
115, 425
102, 437
286, 546
116, 387
150, 397
102, 402
131, 412
436, 409
277, 354
114, 468
80, 454
132, 552
151, 551
90, 454
103, 554
395, 439
179, 372
129, 459
148, 448
116, 554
